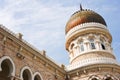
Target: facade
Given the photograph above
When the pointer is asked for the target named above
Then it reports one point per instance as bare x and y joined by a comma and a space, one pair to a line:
88, 42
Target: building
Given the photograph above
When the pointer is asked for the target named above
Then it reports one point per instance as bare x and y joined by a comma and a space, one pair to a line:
88, 42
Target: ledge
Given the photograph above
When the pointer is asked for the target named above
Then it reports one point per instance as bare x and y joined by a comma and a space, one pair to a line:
84, 26
91, 61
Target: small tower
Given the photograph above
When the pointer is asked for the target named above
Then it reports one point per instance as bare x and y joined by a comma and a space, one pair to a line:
88, 42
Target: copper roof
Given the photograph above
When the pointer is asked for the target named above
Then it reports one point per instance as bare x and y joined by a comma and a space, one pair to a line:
84, 16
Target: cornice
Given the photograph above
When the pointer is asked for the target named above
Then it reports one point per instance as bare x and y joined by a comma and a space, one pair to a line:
91, 61
114, 67
85, 25
92, 51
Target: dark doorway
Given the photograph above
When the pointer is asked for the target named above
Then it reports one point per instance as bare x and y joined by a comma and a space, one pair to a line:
4, 74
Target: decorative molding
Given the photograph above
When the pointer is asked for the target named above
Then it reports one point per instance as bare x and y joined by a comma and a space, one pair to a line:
91, 61
85, 25
90, 51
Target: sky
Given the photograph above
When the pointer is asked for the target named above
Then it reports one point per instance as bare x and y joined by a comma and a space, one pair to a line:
42, 22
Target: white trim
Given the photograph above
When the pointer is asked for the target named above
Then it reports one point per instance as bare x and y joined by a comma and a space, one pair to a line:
85, 25
37, 73
88, 52
26, 68
12, 64
91, 61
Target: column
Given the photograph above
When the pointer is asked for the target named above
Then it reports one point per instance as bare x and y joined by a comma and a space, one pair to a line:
97, 43
86, 45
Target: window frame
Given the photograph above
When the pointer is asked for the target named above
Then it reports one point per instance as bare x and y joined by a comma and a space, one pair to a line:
81, 45
92, 43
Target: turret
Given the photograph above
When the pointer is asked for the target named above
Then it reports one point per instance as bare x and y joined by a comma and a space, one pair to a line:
88, 41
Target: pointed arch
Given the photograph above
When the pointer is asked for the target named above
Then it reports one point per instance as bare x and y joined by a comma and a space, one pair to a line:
37, 74
27, 71
10, 63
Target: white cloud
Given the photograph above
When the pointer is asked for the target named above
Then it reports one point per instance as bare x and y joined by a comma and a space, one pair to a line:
40, 24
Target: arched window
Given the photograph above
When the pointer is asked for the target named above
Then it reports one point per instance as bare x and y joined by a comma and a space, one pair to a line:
81, 46
7, 68
26, 75
72, 46
102, 44
92, 44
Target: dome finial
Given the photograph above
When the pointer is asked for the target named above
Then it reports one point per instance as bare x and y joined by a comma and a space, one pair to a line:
81, 7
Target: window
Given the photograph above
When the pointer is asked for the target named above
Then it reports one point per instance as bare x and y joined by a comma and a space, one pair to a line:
26, 75
103, 47
72, 46
102, 44
81, 46
92, 44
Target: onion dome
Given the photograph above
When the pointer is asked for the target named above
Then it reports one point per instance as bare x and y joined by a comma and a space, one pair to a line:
83, 16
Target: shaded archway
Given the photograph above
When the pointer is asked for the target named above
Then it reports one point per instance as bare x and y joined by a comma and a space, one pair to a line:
6, 67
10, 63
37, 76
26, 73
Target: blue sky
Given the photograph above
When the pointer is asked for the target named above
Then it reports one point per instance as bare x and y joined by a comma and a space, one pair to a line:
42, 22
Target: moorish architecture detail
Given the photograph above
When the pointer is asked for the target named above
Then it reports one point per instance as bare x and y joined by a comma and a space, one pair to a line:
21, 61
88, 42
